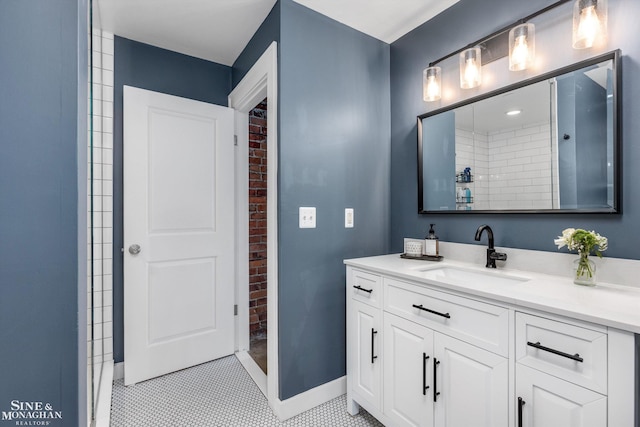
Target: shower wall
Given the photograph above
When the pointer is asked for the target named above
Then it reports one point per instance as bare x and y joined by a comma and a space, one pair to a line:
99, 279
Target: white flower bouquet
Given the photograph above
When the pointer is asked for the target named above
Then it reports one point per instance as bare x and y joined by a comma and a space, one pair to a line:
584, 242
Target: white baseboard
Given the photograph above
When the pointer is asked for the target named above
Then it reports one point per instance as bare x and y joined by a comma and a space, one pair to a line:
285, 409
118, 371
103, 410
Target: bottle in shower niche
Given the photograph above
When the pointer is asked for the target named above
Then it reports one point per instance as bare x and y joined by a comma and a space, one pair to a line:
431, 245
467, 174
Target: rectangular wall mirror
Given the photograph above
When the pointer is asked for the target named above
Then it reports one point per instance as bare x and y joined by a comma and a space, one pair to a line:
548, 144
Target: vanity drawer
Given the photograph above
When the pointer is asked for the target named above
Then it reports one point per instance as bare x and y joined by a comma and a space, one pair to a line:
573, 353
478, 323
365, 287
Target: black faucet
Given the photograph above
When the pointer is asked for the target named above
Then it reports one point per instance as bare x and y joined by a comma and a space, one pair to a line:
492, 255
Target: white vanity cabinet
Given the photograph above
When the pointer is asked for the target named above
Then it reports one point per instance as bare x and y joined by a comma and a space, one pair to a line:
436, 354
561, 373
408, 372
365, 358
364, 318
544, 400
473, 384
431, 379
420, 354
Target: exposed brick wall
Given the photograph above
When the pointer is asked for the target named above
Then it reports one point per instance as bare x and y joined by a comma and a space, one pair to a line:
258, 221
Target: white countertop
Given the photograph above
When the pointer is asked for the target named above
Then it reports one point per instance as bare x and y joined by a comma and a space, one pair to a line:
611, 305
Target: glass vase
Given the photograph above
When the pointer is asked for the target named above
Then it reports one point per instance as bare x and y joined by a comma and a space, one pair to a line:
584, 271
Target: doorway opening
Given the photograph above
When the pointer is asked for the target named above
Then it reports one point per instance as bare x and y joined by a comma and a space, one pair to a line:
259, 83
258, 235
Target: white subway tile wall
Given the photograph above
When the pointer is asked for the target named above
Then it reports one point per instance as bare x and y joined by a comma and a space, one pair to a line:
100, 296
512, 169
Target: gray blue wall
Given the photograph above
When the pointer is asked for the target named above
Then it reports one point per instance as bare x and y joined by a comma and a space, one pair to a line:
268, 32
43, 134
438, 160
333, 154
149, 67
465, 22
582, 115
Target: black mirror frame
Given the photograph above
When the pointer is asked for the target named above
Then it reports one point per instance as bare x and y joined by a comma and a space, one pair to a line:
615, 56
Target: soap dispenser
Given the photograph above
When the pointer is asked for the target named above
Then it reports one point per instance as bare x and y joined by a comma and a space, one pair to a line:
431, 243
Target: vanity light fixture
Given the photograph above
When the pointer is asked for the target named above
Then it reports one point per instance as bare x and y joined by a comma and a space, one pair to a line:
589, 23
589, 29
432, 84
522, 47
470, 68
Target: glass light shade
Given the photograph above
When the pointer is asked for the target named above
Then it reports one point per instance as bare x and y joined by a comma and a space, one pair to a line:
589, 23
432, 84
470, 68
522, 47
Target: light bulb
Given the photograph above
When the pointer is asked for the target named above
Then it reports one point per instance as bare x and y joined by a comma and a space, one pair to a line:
520, 53
588, 26
431, 87
470, 68
589, 23
471, 72
521, 47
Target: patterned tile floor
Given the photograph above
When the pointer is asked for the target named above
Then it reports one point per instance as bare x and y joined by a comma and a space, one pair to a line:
215, 394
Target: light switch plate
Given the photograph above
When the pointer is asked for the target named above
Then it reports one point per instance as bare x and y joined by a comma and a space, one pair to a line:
348, 218
307, 217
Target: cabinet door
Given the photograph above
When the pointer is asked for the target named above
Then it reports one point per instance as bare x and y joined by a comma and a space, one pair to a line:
549, 401
365, 353
472, 385
408, 372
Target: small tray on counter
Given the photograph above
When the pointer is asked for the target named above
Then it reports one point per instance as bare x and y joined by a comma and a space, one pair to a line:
423, 257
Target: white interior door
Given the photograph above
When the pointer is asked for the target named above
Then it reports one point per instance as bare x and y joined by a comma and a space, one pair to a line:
179, 210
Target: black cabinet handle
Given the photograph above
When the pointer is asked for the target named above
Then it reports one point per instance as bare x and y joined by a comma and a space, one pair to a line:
537, 345
521, 403
420, 307
363, 289
435, 379
373, 334
425, 387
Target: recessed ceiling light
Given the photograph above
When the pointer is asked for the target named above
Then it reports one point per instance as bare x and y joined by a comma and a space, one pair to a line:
513, 112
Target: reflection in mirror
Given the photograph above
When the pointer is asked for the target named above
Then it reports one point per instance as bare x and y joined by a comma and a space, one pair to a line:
549, 144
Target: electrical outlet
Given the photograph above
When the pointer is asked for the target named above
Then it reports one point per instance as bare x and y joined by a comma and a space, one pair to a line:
348, 218
307, 217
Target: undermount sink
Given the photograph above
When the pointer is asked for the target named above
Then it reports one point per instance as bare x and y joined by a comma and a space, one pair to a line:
460, 275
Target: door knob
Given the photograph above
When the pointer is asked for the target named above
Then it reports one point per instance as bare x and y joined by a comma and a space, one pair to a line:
134, 249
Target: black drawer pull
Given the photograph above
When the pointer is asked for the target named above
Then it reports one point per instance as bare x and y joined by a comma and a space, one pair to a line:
373, 334
537, 345
420, 307
521, 403
425, 387
363, 289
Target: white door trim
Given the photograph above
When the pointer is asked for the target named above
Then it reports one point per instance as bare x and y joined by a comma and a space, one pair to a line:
259, 83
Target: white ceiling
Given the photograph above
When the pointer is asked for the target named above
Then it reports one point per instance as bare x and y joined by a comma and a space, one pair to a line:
218, 30
489, 115
386, 20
